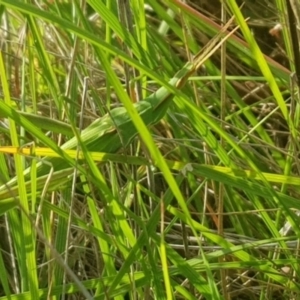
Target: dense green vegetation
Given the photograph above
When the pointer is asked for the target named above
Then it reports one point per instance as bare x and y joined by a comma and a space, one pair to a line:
148, 152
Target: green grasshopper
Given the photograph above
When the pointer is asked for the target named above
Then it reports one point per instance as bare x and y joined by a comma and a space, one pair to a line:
115, 130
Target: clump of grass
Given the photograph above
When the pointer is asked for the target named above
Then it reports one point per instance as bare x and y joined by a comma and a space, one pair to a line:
127, 183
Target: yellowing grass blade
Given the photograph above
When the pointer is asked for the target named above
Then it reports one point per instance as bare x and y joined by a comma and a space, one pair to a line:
135, 160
